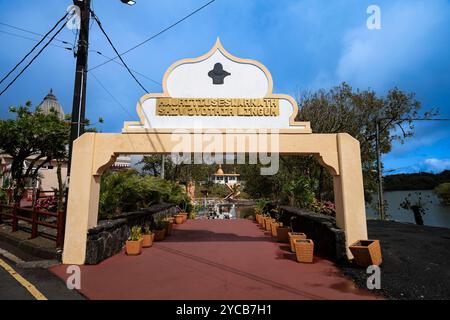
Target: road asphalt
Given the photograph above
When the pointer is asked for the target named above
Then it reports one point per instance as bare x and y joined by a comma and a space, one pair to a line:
19, 270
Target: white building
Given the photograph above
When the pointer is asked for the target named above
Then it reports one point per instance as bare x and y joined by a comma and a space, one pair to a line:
224, 178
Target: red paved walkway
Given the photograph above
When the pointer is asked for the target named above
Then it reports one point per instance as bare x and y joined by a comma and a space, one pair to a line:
215, 259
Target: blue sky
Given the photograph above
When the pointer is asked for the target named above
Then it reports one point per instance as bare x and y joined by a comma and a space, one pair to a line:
306, 44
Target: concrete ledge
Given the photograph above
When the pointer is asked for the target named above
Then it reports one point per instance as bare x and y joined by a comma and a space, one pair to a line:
39, 247
329, 240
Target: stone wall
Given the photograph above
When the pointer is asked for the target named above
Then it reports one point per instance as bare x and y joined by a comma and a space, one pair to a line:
329, 240
109, 236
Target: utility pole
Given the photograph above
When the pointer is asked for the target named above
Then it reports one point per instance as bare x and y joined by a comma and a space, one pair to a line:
379, 173
79, 91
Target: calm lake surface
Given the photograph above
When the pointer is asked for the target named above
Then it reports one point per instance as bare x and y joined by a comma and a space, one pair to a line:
437, 214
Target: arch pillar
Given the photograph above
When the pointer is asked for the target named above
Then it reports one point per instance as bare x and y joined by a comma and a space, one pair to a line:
84, 192
349, 191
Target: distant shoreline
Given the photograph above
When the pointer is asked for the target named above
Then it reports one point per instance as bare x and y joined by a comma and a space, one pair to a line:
415, 181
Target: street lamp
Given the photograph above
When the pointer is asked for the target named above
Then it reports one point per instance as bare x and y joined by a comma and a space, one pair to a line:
129, 2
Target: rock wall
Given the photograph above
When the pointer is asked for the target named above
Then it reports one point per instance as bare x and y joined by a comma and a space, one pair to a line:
109, 236
329, 240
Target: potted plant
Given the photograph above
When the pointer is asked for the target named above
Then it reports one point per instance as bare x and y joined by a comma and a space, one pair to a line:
134, 243
269, 221
147, 237
160, 229
274, 226
283, 233
304, 250
295, 236
183, 211
262, 224
366, 252
178, 219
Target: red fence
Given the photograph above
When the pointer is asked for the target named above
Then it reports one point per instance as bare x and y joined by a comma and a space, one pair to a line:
34, 217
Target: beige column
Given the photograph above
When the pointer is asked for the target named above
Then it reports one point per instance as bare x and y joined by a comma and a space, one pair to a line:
82, 206
349, 191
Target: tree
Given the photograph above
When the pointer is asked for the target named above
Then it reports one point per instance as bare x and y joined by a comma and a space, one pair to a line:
343, 109
443, 192
36, 138
32, 137
417, 205
340, 109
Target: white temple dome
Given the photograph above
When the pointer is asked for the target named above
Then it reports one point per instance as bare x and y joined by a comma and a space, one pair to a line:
50, 102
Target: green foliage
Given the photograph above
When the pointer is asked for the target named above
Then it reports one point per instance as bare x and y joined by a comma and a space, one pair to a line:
340, 110
301, 191
261, 204
135, 233
192, 214
443, 192
147, 229
126, 191
32, 136
160, 223
324, 207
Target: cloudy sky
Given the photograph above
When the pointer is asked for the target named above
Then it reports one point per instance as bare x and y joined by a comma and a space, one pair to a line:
306, 44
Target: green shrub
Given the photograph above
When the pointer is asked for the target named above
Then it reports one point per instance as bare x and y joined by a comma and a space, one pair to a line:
135, 233
127, 191
160, 223
147, 229
443, 192
302, 191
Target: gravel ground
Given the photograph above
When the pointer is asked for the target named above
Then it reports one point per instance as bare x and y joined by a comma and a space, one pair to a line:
416, 261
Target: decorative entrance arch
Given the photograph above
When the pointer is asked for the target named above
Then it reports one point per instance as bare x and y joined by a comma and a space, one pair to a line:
235, 107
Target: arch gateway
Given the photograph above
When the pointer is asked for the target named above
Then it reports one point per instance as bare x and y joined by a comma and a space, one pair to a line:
213, 105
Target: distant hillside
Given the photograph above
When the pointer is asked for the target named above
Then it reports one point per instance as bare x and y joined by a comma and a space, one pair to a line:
415, 181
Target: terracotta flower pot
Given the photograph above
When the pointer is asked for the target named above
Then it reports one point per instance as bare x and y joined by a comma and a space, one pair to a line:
304, 250
185, 215
366, 252
160, 235
133, 248
295, 236
153, 236
147, 240
283, 234
269, 224
179, 219
274, 226
262, 223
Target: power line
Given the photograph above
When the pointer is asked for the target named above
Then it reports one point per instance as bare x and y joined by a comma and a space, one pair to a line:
111, 95
32, 60
155, 35
31, 51
32, 39
91, 50
31, 32
134, 71
115, 50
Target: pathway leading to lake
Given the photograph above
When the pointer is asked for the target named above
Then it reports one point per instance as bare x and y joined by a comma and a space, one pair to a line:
215, 259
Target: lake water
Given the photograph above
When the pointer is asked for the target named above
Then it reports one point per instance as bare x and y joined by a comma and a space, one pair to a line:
437, 214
